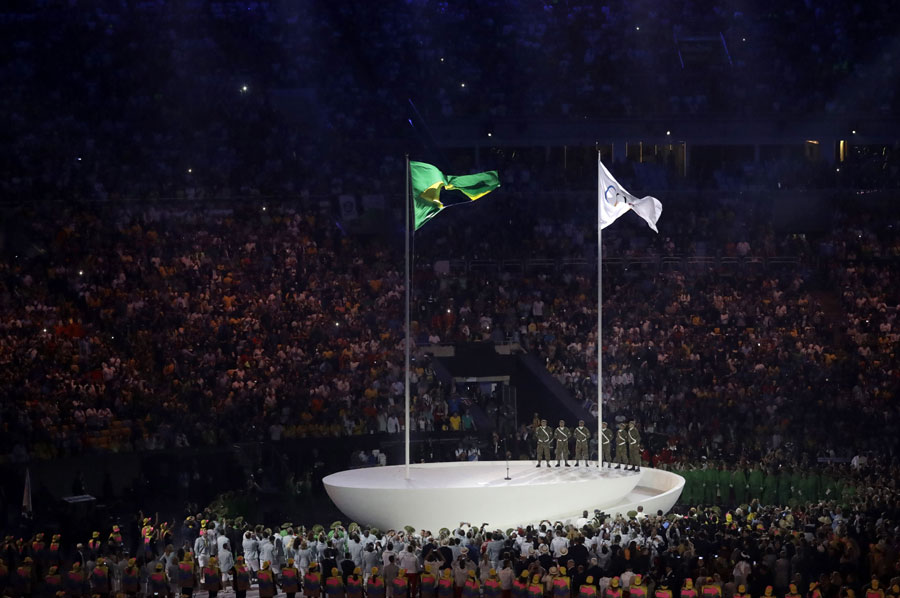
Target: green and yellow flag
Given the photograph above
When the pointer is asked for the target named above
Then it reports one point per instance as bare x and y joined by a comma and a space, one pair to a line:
427, 182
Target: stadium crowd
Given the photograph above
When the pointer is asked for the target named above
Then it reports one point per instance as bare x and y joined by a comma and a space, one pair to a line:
134, 327
836, 545
136, 333
161, 328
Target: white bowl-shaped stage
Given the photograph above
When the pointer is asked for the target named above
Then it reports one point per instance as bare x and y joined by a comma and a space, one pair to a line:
440, 495
658, 490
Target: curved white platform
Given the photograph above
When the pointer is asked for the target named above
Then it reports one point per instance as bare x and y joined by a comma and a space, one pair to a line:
442, 494
658, 490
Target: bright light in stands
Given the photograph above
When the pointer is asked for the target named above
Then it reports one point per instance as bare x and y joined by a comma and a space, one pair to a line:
442, 60
668, 133
80, 272
489, 134
264, 208
190, 170
79, 159
243, 89
637, 28
853, 131
462, 84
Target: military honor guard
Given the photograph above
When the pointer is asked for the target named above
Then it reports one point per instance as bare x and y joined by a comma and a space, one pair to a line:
562, 435
621, 446
634, 446
606, 437
582, 442
544, 435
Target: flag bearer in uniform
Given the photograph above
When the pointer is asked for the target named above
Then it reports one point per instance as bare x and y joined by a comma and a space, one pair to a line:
606, 437
544, 435
562, 435
634, 446
621, 446
582, 441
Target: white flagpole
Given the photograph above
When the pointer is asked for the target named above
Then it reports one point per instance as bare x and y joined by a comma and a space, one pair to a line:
406, 287
599, 323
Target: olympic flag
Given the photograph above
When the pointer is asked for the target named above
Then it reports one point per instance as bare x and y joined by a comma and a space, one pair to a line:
614, 201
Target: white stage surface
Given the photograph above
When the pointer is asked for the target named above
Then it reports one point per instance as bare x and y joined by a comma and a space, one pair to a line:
440, 495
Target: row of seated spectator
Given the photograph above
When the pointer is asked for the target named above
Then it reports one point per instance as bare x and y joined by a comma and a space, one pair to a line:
129, 329
838, 547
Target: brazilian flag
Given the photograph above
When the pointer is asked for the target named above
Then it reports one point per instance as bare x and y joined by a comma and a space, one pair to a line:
427, 182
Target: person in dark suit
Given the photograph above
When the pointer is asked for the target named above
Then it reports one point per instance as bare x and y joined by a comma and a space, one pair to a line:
497, 448
329, 560
446, 554
545, 558
594, 570
579, 553
347, 566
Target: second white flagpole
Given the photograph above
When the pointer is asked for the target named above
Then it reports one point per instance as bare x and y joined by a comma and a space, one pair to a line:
599, 323
406, 287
